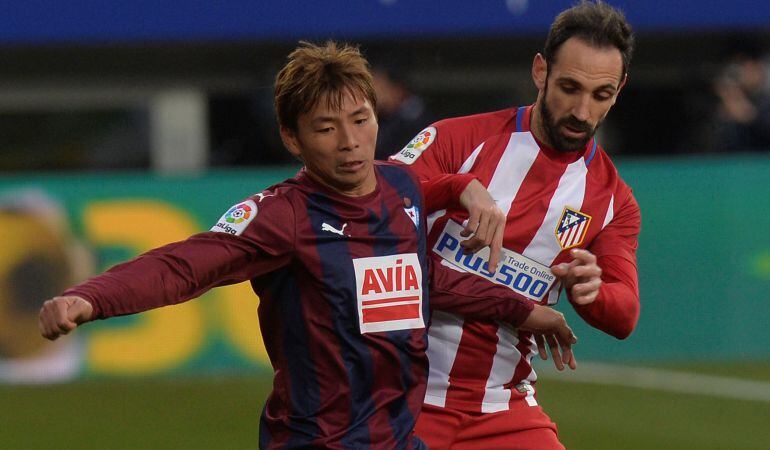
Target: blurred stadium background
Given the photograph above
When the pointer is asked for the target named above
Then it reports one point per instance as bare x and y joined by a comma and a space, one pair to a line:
126, 125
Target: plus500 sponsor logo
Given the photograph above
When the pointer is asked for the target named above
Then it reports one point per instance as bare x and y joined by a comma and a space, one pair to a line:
528, 278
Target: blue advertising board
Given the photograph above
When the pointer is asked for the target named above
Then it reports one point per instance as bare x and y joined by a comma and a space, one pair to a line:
149, 21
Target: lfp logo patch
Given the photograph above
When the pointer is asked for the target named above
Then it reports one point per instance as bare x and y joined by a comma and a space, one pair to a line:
416, 146
238, 213
572, 227
237, 218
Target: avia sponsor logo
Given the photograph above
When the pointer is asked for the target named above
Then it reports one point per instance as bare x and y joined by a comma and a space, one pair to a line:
416, 146
517, 272
389, 292
237, 218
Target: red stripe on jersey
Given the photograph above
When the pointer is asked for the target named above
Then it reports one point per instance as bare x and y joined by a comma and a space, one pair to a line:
399, 312
523, 368
597, 197
471, 367
390, 300
530, 205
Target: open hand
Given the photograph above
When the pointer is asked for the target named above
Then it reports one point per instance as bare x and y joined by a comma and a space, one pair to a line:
550, 327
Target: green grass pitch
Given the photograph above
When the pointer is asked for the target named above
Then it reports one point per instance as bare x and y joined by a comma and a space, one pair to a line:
223, 413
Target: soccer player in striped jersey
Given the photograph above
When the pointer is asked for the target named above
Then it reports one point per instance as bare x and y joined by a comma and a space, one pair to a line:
337, 255
572, 225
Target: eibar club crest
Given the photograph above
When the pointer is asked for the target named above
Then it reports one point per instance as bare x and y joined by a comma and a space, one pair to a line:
572, 227
412, 211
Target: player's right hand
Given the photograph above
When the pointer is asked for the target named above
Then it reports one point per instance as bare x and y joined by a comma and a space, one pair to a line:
486, 223
60, 315
549, 326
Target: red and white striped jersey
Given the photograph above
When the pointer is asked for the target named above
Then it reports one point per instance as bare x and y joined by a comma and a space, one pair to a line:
553, 201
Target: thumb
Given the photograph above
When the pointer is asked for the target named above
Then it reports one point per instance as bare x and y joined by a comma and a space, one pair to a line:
80, 311
560, 269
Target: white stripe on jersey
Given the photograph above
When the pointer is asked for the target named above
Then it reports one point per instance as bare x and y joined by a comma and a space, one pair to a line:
610, 212
514, 164
496, 397
446, 330
433, 217
466, 167
443, 340
553, 296
544, 247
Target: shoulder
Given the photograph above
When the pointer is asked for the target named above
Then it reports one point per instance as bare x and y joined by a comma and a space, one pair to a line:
604, 171
489, 123
273, 205
397, 174
458, 135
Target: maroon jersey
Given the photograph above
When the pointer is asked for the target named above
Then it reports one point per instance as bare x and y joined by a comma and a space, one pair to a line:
554, 202
343, 307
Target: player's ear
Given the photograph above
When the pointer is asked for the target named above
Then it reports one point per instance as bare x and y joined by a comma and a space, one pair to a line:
290, 141
622, 82
620, 87
539, 71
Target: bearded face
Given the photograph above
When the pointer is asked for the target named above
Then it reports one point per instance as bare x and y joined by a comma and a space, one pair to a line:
567, 133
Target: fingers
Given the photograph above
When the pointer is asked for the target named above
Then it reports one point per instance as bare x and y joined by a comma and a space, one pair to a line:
61, 315
472, 224
583, 255
585, 293
486, 225
53, 321
567, 339
496, 246
586, 271
553, 344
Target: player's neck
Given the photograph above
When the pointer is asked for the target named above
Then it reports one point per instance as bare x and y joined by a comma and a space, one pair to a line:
366, 187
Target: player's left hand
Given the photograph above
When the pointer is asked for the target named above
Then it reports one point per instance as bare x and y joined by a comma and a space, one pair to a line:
486, 223
581, 277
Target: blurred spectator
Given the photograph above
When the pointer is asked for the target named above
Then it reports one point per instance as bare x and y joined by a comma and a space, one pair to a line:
400, 112
743, 95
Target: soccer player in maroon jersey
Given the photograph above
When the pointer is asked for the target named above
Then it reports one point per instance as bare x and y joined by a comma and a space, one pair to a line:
572, 224
338, 257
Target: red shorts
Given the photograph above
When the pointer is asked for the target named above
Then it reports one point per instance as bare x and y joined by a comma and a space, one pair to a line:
524, 428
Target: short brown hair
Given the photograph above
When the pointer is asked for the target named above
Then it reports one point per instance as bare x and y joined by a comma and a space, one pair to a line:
314, 72
598, 24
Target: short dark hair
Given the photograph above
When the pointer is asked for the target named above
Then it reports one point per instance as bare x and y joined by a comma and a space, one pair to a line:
595, 22
315, 72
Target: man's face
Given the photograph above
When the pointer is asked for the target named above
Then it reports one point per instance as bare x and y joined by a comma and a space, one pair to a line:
337, 147
576, 93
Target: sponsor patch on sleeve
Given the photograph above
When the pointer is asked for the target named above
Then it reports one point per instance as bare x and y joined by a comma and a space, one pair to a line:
237, 218
389, 292
416, 146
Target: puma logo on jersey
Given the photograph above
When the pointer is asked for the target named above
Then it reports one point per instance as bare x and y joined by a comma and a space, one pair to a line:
389, 292
326, 227
263, 196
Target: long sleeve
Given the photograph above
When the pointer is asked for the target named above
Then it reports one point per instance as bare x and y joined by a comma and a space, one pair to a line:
444, 191
183, 270
616, 309
474, 297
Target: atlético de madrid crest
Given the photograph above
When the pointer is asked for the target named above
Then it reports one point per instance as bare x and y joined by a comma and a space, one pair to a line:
572, 227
